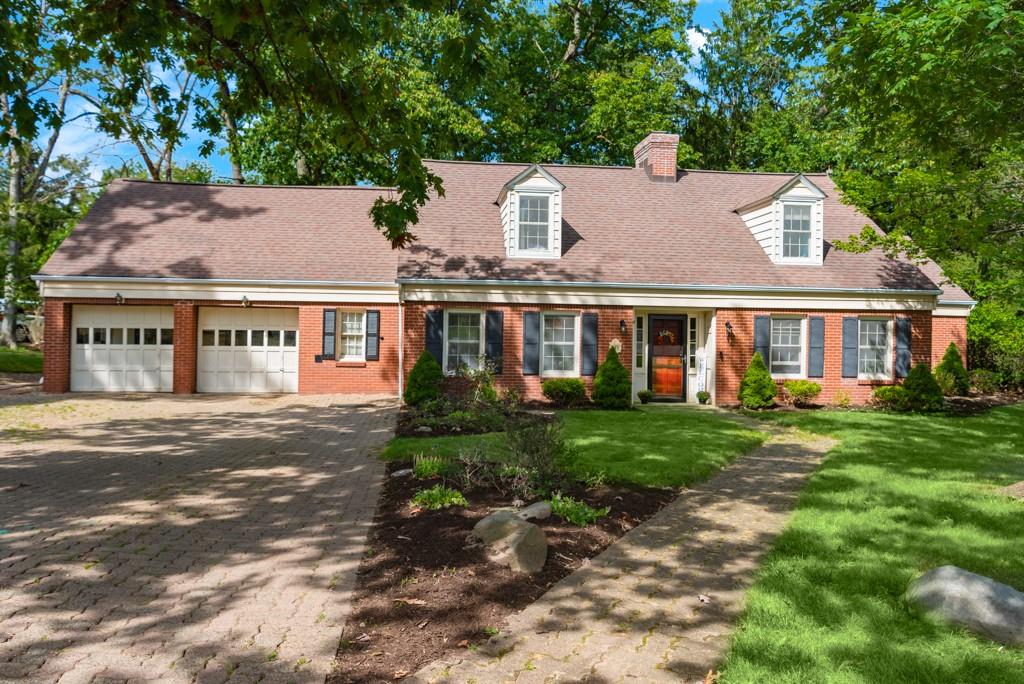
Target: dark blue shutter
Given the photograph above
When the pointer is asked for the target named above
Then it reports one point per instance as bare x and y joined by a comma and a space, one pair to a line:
372, 335
903, 329
531, 343
330, 325
435, 334
851, 329
763, 338
494, 344
816, 348
588, 339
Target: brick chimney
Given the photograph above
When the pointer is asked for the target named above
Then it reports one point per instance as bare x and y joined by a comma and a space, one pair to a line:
656, 154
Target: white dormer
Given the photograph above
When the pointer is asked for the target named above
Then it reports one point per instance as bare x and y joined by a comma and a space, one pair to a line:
789, 223
531, 215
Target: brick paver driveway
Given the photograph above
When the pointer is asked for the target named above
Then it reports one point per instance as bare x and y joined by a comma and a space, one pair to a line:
167, 539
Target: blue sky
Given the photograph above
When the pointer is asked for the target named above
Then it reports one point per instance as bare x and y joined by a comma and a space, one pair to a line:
79, 139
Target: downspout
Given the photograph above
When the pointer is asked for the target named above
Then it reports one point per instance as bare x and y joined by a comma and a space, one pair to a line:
401, 340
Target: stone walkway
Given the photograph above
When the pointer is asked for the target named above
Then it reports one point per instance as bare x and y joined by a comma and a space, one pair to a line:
659, 604
181, 540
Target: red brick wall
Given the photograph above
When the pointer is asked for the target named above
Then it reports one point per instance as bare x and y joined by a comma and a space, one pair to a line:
946, 329
57, 346
328, 377
512, 376
734, 352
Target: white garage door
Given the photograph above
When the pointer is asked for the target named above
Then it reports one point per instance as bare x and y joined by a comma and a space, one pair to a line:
248, 350
122, 348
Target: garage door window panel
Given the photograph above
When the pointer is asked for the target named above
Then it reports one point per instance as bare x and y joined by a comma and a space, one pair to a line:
117, 336
273, 338
134, 335
257, 338
289, 338
223, 338
149, 336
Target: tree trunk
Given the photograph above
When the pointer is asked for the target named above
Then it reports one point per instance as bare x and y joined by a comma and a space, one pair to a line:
7, 326
231, 128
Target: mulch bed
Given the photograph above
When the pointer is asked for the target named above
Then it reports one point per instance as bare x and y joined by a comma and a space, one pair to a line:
420, 594
977, 404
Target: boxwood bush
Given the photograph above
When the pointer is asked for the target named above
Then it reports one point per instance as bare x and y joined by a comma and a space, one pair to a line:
891, 397
924, 392
565, 392
802, 392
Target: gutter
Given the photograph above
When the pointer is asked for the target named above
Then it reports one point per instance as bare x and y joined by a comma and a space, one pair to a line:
649, 286
209, 281
959, 302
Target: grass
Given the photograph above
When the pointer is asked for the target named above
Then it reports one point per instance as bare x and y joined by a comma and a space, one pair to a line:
20, 360
899, 495
653, 447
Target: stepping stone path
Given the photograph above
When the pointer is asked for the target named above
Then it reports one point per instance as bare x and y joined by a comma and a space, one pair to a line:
659, 604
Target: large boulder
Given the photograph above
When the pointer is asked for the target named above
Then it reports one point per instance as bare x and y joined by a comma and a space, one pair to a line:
509, 540
980, 604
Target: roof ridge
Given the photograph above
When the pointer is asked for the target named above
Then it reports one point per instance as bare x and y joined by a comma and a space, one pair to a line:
758, 173
257, 185
469, 162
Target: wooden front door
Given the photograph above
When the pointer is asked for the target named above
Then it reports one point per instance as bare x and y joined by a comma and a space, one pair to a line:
668, 351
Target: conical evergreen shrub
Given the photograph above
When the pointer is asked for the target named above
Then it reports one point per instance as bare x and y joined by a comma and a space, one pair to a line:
757, 389
612, 384
951, 374
426, 381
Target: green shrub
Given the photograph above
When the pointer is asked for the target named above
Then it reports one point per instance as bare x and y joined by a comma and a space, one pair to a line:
891, 397
951, 374
995, 338
842, 399
612, 384
485, 418
645, 396
430, 467
703, 396
425, 381
985, 381
757, 389
565, 392
924, 392
438, 497
575, 511
802, 392
480, 383
537, 452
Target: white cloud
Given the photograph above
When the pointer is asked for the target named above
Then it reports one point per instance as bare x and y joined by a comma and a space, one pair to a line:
696, 38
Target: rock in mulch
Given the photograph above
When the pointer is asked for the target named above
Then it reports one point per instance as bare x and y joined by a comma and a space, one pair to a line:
974, 602
538, 511
1014, 490
511, 541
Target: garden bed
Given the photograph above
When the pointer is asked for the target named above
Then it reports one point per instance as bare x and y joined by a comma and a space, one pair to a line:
420, 594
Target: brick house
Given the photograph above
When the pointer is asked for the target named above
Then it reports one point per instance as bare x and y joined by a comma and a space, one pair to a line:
539, 268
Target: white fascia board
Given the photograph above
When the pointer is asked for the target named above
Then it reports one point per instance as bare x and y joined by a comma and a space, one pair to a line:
959, 309
216, 289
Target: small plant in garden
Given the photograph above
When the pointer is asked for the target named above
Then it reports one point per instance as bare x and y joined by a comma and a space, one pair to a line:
842, 399
538, 451
480, 382
574, 511
951, 374
425, 381
703, 397
891, 397
565, 392
612, 384
802, 392
985, 381
438, 497
430, 467
645, 396
757, 389
924, 392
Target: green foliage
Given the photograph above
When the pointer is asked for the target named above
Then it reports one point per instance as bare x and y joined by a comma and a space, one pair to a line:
538, 449
802, 392
438, 497
565, 392
951, 374
842, 399
645, 396
429, 467
576, 512
985, 381
703, 396
924, 392
425, 381
995, 338
612, 384
891, 397
757, 388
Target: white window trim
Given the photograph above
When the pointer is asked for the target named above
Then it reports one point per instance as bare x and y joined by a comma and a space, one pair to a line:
803, 348
889, 349
535, 253
640, 353
811, 258
338, 356
575, 372
483, 335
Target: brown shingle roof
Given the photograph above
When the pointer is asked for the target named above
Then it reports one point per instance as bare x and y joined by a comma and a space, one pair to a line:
618, 227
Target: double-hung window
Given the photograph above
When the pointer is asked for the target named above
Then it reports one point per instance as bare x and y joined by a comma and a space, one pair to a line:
534, 223
559, 342
796, 231
351, 335
464, 335
787, 351
874, 349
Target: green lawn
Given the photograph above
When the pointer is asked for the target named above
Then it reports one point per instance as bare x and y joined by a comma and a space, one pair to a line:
654, 447
899, 495
20, 360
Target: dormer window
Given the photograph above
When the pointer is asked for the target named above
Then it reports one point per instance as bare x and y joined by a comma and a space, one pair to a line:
534, 223
531, 215
796, 231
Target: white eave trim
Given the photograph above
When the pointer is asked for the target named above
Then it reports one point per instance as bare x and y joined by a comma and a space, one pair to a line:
213, 281
958, 302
